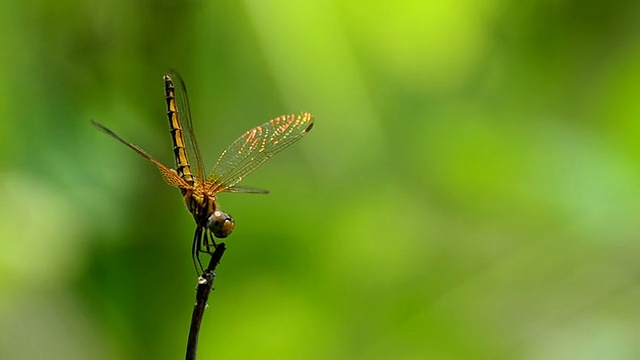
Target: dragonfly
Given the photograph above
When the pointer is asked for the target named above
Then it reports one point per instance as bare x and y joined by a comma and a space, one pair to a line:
240, 159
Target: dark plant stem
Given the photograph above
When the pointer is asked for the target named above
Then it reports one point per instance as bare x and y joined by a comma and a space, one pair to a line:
205, 284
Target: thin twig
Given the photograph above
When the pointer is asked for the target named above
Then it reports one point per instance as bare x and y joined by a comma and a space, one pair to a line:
205, 284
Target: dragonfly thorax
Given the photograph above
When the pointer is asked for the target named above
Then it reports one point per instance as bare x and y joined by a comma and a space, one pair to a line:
204, 209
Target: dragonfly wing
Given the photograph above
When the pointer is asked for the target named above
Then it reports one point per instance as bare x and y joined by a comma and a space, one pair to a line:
255, 147
169, 176
184, 116
246, 190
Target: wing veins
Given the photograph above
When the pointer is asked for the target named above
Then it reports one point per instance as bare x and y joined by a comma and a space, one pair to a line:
255, 147
169, 176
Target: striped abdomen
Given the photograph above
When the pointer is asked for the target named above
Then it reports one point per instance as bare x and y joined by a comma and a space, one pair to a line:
173, 113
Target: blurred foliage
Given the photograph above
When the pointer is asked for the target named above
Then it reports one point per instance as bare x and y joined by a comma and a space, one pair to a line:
470, 190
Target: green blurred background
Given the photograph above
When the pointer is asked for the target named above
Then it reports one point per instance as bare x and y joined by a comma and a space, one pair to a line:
471, 189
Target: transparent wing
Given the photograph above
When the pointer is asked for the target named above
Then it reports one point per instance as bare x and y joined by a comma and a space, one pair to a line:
169, 176
184, 114
247, 190
255, 147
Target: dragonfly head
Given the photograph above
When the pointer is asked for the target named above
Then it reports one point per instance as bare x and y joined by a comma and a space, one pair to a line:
221, 224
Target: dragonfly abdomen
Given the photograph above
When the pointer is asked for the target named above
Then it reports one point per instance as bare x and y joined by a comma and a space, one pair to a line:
177, 137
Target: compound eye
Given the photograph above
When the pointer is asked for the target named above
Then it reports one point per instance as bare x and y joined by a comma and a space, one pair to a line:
221, 224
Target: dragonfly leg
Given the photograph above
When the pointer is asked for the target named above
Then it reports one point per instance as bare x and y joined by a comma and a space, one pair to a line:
203, 243
195, 250
209, 244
